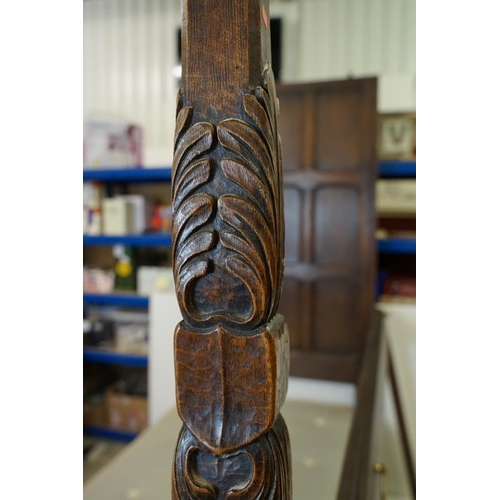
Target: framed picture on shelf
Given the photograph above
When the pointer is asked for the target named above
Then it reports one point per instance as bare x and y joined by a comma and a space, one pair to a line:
397, 136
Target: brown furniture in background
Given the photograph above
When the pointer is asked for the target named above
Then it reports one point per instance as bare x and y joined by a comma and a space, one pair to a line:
328, 141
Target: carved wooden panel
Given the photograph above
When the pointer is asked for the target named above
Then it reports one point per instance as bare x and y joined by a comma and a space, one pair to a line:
329, 160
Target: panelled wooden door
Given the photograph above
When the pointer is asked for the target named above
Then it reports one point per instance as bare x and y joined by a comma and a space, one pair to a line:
328, 136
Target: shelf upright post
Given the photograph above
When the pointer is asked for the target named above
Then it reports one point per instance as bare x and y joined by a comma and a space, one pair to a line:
232, 348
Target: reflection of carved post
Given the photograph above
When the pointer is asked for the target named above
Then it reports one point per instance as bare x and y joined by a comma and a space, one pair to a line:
232, 349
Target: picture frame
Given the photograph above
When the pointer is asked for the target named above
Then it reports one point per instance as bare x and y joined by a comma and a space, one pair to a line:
397, 136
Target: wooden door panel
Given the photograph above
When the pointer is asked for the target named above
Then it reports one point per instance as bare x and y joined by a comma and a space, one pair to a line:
290, 301
291, 127
338, 129
336, 314
293, 204
338, 208
329, 161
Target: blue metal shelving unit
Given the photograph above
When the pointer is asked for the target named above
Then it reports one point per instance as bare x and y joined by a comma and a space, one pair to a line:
129, 175
121, 300
118, 300
131, 240
107, 433
397, 169
387, 169
397, 245
93, 355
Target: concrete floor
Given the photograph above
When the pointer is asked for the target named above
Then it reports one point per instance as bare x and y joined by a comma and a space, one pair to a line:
100, 454
142, 470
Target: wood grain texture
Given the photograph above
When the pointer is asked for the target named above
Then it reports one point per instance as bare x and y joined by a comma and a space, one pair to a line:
260, 470
230, 387
228, 215
366, 446
357, 479
231, 349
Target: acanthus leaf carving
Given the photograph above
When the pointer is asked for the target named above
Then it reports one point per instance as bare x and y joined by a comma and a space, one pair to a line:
226, 186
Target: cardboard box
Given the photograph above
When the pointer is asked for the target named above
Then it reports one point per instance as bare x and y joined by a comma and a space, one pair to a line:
151, 279
95, 411
112, 145
117, 214
125, 412
396, 196
98, 280
142, 211
132, 338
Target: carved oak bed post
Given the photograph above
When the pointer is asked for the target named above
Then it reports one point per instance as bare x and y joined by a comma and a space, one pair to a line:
231, 349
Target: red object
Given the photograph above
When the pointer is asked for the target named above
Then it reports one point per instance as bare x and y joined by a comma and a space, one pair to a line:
405, 286
156, 221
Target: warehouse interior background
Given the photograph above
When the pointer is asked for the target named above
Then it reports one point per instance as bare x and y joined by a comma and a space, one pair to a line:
131, 56
131, 75
118, 61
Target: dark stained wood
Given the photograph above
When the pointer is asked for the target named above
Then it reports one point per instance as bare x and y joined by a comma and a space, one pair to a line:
364, 450
328, 133
410, 465
230, 387
341, 367
232, 348
357, 474
247, 474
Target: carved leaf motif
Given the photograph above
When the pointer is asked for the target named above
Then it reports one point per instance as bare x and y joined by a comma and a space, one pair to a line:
195, 141
233, 242
188, 244
249, 277
248, 220
192, 214
257, 113
191, 210
245, 177
196, 244
183, 119
189, 180
241, 138
191, 272
255, 170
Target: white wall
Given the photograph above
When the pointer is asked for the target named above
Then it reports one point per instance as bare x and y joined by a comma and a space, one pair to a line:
356, 38
130, 52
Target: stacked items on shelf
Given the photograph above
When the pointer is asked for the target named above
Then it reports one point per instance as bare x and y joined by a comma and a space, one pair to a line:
120, 215
116, 404
112, 144
396, 198
111, 149
130, 337
399, 289
127, 276
97, 280
127, 214
396, 208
